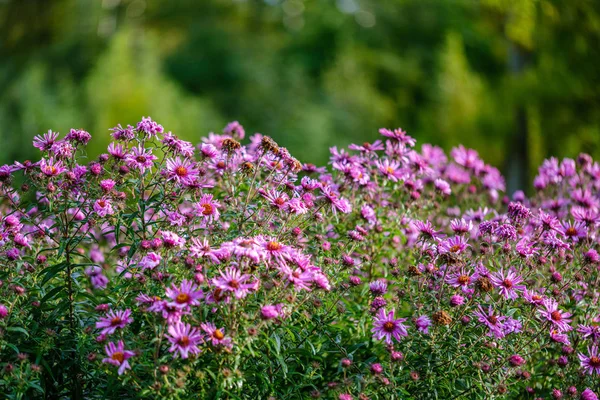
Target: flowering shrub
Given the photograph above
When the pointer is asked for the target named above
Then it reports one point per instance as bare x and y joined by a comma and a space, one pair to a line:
164, 270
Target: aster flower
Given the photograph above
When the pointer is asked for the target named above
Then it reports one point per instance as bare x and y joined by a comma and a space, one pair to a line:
118, 356
97, 279
558, 318
232, 280
492, 321
181, 171
114, 320
378, 287
508, 283
591, 332
399, 135
467, 158
559, 337
533, 297
45, 142
149, 127
390, 169
386, 327
588, 394
368, 147
51, 168
200, 248
207, 208
426, 229
455, 245
140, 158
103, 207
184, 340
187, 294
299, 278
117, 151
423, 323
461, 279
276, 199
216, 336
172, 240
337, 203
574, 231
460, 226
120, 133
591, 362
442, 186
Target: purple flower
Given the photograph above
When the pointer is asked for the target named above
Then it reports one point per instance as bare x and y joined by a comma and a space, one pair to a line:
114, 320
216, 336
423, 323
587, 394
120, 133
508, 283
3, 311
454, 245
51, 168
271, 311
574, 231
207, 208
443, 187
591, 332
97, 279
118, 356
45, 142
516, 360
378, 287
103, 207
590, 363
232, 280
149, 127
181, 171
385, 326
140, 158
186, 295
492, 321
399, 135
558, 318
184, 339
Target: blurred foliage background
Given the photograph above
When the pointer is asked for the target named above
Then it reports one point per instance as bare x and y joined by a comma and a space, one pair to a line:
518, 80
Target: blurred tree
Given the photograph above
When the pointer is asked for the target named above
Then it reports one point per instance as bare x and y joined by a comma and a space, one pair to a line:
516, 79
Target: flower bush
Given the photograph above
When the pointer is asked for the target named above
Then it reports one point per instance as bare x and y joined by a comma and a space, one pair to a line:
230, 270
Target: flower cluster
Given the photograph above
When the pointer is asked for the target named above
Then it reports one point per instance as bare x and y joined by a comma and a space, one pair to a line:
234, 270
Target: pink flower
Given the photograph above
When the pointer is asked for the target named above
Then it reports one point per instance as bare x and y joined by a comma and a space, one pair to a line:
181, 171
508, 283
184, 339
207, 208
114, 320
232, 280
103, 207
558, 318
386, 327
51, 168
118, 356
216, 336
187, 294
140, 158
45, 142
590, 363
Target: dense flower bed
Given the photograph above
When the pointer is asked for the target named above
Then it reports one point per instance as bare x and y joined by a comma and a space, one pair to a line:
229, 270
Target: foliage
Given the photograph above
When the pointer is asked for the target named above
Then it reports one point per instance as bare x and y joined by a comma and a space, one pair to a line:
230, 270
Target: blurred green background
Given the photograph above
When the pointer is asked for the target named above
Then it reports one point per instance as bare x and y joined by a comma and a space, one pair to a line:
518, 80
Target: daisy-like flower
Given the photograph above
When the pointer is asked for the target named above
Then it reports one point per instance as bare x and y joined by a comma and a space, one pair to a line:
574, 231
118, 356
184, 340
97, 279
120, 133
508, 283
149, 127
299, 278
423, 323
232, 280
140, 158
216, 336
591, 362
117, 150
461, 279
426, 230
386, 327
103, 207
460, 226
558, 318
533, 298
495, 323
368, 147
591, 332
51, 168
275, 198
171, 239
454, 245
181, 171
45, 142
399, 135
207, 208
114, 320
150, 261
337, 203
187, 294
200, 248
390, 169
